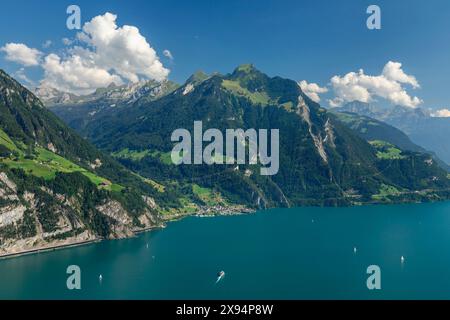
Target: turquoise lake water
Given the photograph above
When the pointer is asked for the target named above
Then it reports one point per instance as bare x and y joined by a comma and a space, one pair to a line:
301, 253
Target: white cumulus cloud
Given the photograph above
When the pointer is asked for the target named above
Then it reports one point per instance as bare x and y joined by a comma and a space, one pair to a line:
22, 54
122, 49
73, 74
443, 113
104, 53
388, 85
312, 90
393, 71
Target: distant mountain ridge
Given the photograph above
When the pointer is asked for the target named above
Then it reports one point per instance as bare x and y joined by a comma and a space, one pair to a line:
371, 129
77, 111
50, 96
419, 124
124, 93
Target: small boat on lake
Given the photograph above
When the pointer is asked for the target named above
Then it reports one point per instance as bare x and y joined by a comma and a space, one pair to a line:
220, 276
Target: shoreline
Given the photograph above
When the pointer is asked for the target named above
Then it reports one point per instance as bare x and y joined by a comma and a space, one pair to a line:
71, 245
206, 212
136, 232
47, 249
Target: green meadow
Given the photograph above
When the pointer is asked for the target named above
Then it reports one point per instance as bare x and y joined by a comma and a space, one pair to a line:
45, 164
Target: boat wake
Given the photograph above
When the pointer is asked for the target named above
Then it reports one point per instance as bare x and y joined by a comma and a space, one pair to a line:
220, 276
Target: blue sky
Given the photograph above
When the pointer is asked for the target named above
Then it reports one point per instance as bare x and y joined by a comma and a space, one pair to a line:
301, 40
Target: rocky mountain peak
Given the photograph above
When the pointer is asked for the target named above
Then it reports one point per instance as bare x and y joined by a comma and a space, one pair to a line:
197, 77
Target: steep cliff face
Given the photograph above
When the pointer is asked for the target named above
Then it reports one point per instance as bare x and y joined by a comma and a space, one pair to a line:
37, 217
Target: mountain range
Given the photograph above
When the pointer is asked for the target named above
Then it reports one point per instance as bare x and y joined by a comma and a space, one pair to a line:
322, 158
57, 187
78, 110
421, 125
371, 129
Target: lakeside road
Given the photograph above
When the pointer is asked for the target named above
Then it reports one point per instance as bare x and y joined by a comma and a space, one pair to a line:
52, 247
47, 248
